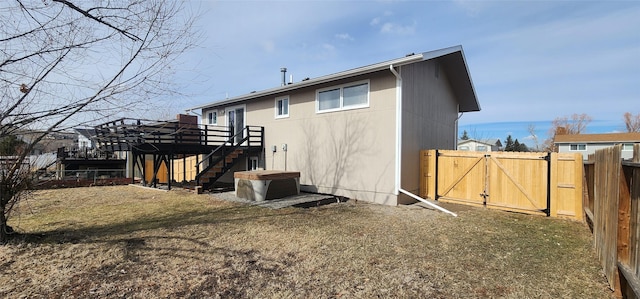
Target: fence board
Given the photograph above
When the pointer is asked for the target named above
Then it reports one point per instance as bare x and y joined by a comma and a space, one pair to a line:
427, 173
179, 167
566, 186
634, 225
605, 222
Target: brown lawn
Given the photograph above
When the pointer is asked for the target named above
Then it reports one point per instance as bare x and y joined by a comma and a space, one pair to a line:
131, 242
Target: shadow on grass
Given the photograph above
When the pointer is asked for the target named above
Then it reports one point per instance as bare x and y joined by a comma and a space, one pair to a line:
93, 234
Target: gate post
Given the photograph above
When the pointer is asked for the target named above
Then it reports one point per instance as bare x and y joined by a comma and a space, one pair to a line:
548, 209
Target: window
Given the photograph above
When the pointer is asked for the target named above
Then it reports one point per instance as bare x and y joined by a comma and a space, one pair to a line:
627, 146
213, 118
282, 107
578, 147
482, 148
348, 96
463, 148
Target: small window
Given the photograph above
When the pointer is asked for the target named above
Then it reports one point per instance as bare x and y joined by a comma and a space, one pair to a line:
482, 148
213, 118
282, 107
463, 148
344, 97
627, 146
578, 147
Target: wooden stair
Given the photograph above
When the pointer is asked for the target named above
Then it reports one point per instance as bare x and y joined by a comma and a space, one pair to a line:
213, 173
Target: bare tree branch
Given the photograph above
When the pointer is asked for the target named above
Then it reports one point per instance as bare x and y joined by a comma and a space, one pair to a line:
632, 122
63, 65
99, 20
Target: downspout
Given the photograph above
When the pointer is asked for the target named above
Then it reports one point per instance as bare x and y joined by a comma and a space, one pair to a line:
455, 123
398, 188
398, 167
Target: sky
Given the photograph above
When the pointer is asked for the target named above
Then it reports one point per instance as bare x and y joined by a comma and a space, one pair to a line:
530, 61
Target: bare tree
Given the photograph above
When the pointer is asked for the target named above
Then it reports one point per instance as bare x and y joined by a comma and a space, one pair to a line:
531, 128
63, 64
576, 124
632, 122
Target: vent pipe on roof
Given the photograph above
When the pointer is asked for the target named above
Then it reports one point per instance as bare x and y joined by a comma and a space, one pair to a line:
284, 76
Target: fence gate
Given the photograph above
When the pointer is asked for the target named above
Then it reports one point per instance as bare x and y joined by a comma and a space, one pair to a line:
507, 181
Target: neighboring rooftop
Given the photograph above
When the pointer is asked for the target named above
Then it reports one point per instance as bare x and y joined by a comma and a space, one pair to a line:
598, 138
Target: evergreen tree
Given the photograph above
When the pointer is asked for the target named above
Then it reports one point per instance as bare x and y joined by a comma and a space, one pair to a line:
465, 135
508, 147
516, 146
9, 145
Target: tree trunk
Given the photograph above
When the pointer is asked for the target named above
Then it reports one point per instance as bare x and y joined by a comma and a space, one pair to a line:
3, 224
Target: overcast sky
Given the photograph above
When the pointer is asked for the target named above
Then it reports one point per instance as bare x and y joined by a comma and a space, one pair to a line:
530, 61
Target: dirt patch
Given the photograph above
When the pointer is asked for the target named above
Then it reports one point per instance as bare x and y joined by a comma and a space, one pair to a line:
130, 242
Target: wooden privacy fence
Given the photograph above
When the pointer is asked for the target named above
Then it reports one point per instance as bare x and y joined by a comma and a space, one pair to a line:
184, 169
613, 209
535, 183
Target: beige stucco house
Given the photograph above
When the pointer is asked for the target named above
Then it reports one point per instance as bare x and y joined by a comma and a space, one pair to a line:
358, 133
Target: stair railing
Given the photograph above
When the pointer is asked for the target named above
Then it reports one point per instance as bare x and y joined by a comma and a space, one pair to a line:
222, 151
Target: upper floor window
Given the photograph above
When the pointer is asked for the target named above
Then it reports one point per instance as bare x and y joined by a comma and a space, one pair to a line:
213, 118
343, 97
578, 147
282, 107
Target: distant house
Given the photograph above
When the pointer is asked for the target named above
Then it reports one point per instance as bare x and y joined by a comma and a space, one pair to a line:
479, 146
588, 143
357, 133
86, 138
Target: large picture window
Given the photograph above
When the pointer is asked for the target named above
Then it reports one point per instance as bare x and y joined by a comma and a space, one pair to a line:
348, 96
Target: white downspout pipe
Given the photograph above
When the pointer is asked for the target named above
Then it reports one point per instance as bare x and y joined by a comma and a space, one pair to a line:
398, 169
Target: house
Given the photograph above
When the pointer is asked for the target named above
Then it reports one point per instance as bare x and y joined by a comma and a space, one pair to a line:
357, 133
479, 145
86, 138
588, 143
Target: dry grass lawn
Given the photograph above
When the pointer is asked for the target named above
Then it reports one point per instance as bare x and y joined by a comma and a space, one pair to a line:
129, 242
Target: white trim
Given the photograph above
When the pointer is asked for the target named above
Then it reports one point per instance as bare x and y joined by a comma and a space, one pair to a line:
278, 99
398, 168
341, 87
209, 118
629, 146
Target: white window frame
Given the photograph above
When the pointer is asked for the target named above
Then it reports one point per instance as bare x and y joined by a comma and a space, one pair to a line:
577, 149
463, 148
481, 148
627, 146
212, 118
278, 100
342, 87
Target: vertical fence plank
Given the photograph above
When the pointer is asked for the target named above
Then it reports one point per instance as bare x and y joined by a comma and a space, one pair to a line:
634, 225
427, 173
605, 227
566, 185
